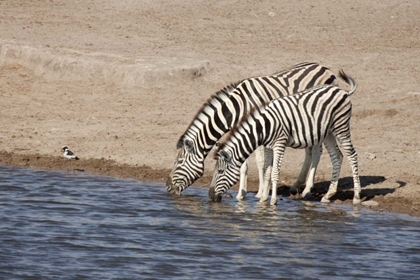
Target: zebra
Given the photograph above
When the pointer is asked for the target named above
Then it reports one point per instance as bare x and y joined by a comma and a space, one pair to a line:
225, 108
306, 119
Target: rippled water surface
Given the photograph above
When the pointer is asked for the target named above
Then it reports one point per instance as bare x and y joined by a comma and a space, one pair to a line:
56, 225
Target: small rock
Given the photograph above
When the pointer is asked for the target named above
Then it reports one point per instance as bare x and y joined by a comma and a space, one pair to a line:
228, 195
370, 203
370, 156
271, 14
78, 170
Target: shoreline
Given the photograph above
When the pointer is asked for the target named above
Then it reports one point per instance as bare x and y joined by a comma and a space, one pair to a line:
376, 200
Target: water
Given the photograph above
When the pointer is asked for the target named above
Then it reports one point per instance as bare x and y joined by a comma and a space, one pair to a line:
56, 225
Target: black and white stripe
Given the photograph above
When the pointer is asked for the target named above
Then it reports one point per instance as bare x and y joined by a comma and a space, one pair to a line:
304, 120
225, 108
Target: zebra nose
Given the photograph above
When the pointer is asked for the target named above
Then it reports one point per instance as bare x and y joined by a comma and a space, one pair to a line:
211, 193
169, 185
213, 196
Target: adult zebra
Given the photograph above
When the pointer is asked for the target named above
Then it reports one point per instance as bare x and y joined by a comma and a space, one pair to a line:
225, 108
303, 120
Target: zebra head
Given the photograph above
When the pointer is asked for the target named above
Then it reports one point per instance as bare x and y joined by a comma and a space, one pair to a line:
188, 167
225, 175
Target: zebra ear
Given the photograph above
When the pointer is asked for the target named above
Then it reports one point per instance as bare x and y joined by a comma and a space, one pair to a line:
189, 145
225, 156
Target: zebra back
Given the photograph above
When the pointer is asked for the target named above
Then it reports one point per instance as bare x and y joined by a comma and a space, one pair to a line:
222, 111
304, 119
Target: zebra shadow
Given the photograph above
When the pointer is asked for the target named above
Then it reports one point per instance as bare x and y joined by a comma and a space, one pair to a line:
345, 188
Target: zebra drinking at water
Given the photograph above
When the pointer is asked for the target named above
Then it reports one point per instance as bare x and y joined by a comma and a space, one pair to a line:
225, 108
303, 120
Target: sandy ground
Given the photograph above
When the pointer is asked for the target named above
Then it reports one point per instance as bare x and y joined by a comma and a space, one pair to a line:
119, 82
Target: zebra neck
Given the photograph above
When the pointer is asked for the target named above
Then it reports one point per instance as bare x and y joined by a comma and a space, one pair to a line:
205, 141
250, 134
208, 130
213, 120
243, 147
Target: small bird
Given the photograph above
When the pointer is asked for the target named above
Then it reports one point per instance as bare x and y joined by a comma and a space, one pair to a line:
69, 154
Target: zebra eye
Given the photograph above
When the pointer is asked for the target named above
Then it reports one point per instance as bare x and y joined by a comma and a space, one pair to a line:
180, 161
220, 171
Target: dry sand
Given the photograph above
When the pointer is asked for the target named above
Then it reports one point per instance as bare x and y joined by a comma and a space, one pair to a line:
119, 82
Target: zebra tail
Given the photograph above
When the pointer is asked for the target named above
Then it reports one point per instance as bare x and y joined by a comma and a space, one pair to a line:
349, 80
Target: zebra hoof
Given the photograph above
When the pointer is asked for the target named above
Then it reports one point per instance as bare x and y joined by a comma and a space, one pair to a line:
293, 190
357, 201
325, 200
273, 202
306, 196
258, 195
241, 195
263, 199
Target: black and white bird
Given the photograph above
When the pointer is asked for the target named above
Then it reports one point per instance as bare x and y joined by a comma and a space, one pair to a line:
69, 154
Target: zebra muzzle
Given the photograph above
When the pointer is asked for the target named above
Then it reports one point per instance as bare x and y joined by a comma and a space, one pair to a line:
173, 188
169, 185
213, 196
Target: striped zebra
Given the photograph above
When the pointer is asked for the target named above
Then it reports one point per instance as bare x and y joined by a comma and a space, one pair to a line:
303, 120
225, 108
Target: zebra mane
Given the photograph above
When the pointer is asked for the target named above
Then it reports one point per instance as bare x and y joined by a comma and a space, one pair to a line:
219, 97
236, 127
301, 65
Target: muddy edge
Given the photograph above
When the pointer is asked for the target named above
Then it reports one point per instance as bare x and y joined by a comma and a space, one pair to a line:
147, 174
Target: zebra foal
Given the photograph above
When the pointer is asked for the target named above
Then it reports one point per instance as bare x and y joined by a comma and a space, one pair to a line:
304, 120
229, 105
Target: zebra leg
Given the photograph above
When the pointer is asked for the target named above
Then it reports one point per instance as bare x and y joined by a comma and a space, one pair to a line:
278, 150
353, 160
260, 160
243, 181
267, 174
336, 160
294, 189
351, 153
316, 156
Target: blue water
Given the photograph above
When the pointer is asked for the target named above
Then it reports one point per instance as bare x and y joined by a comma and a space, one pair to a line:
57, 225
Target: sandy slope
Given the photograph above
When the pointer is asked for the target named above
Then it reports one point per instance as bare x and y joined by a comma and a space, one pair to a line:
121, 80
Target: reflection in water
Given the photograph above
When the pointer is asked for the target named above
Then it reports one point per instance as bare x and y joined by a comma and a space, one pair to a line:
63, 225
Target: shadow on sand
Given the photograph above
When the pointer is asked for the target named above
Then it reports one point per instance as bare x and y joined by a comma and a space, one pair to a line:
345, 188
